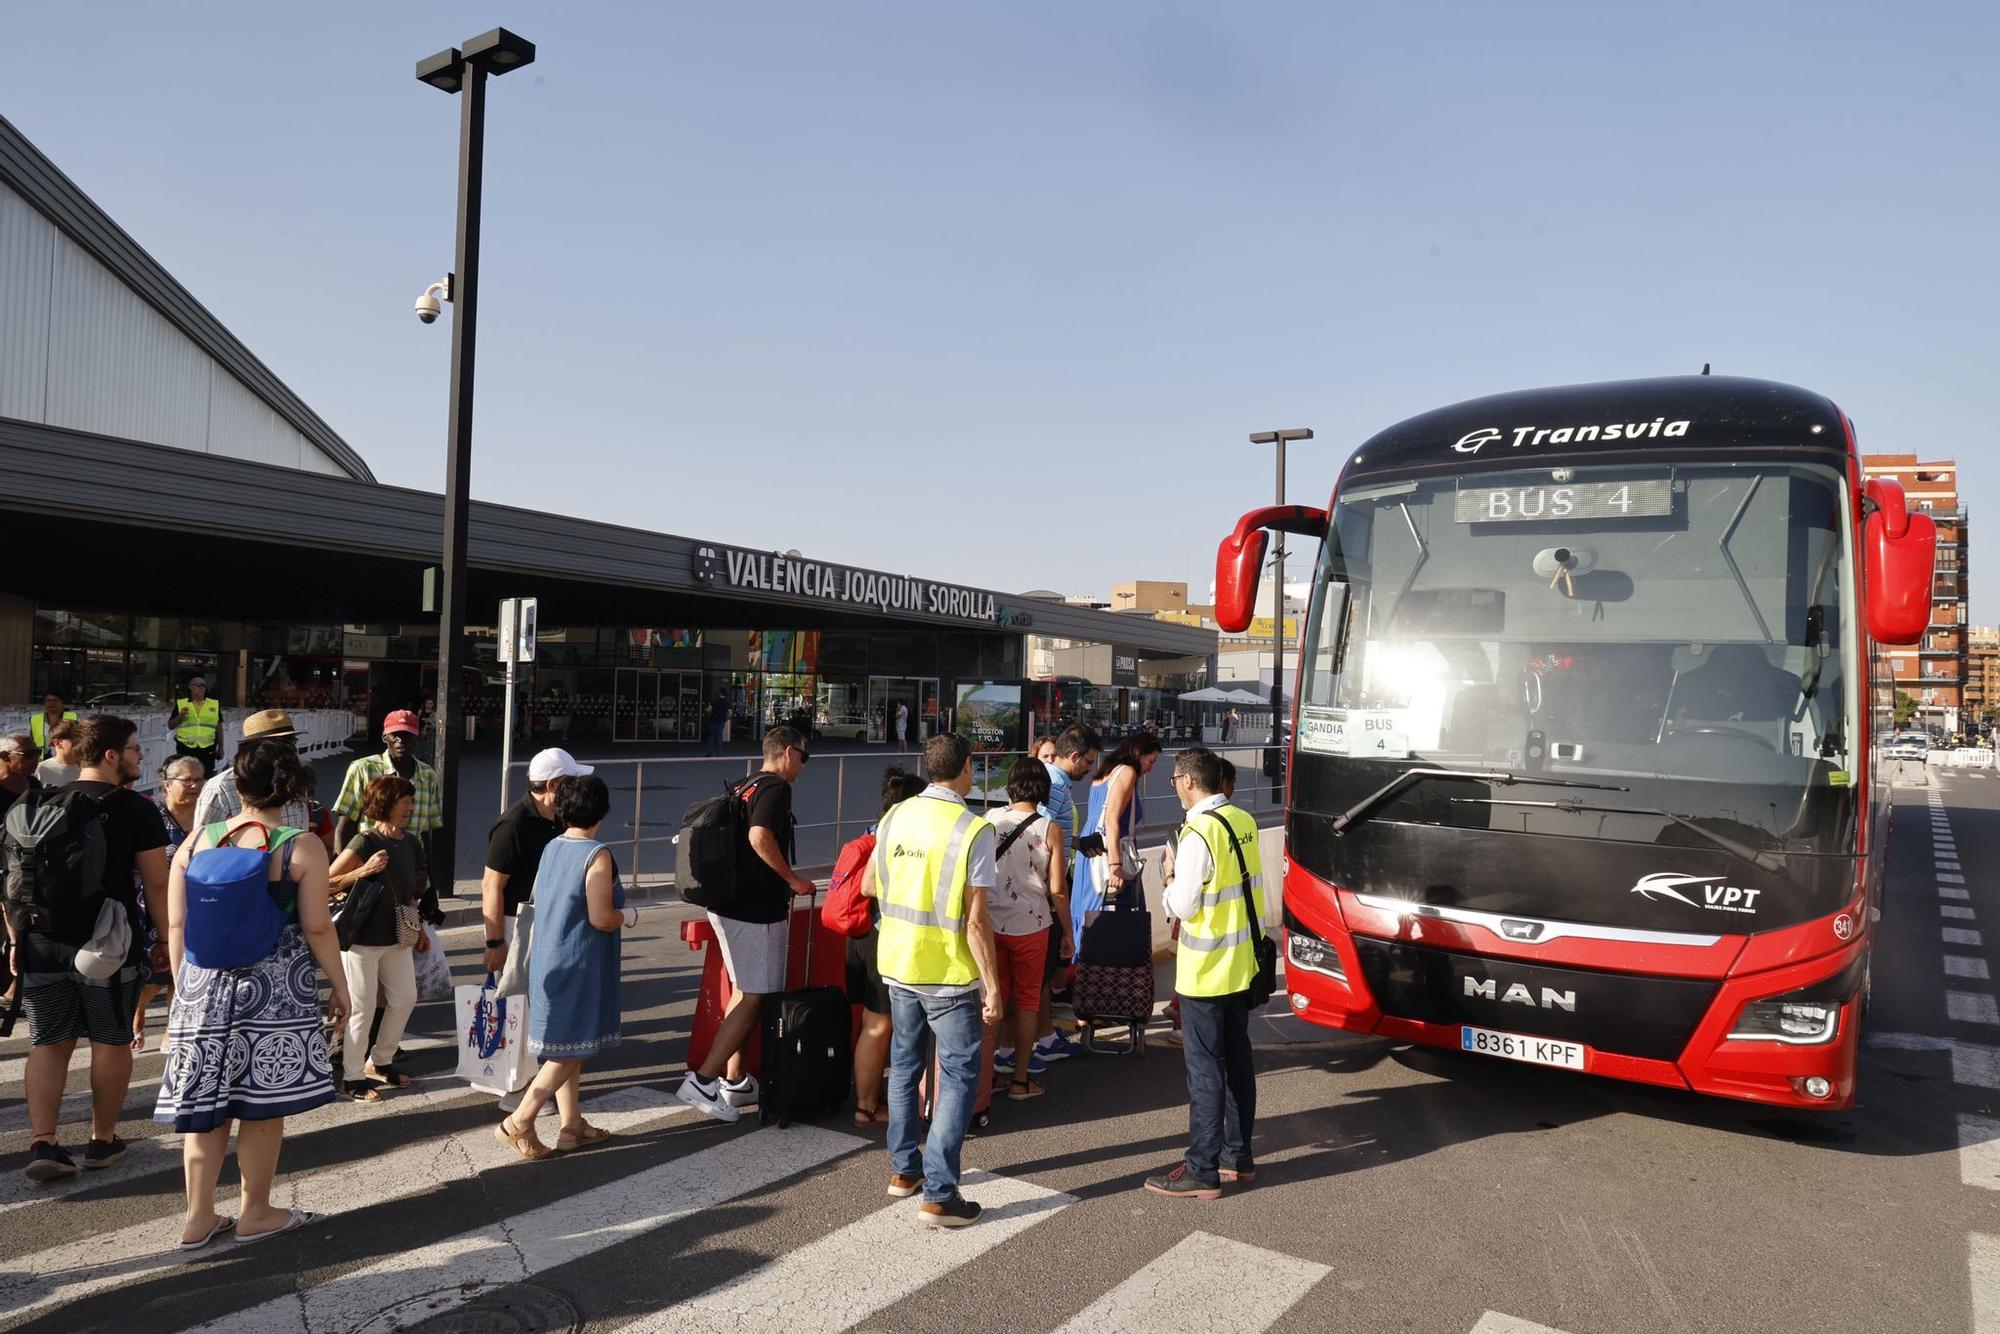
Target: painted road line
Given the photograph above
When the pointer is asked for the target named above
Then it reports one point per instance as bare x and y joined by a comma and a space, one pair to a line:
1201, 1284
1960, 965
1955, 913
110, 1259
1958, 935
143, 1157
1972, 1007
812, 1290
1947, 878
1982, 1264
1979, 1152
1495, 1323
1973, 1064
433, 1279
1953, 892
139, 1099
1951, 866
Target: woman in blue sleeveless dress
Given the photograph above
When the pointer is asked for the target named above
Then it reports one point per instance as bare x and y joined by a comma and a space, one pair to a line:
1115, 811
573, 969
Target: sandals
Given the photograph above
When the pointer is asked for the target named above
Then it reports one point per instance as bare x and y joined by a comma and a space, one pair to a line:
359, 1090
590, 1134
1021, 1090
389, 1075
300, 1218
222, 1225
870, 1116
524, 1142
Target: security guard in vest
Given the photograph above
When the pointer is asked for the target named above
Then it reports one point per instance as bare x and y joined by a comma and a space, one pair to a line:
52, 713
1217, 882
197, 724
931, 873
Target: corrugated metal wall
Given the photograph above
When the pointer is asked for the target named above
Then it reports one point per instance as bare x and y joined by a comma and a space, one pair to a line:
80, 349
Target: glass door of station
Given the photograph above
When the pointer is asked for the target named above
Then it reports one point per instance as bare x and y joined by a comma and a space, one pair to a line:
656, 706
918, 694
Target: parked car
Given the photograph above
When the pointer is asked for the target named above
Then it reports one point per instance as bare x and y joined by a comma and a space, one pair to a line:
845, 726
125, 701
1912, 746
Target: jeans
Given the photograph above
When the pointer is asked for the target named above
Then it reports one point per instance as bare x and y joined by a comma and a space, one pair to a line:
1222, 1083
956, 1022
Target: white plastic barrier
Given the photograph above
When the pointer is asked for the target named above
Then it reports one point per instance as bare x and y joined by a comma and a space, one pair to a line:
321, 732
1971, 757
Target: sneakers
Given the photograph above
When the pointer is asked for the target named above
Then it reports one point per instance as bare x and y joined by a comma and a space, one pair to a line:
902, 1187
1003, 1060
49, 1162
102, 1154
740, 1093
954, 1212
1004, 1063
1178, 1185
706, 1097
1057, 1047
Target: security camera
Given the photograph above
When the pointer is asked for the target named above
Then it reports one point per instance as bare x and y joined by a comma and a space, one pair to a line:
428, 308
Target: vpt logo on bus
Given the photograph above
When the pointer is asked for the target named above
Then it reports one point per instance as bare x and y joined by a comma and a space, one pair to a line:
1715, 894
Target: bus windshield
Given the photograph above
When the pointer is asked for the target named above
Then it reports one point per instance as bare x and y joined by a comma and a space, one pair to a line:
1671, 637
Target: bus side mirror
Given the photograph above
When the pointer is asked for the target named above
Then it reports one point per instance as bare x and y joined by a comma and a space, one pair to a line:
1898, 551
1239, 564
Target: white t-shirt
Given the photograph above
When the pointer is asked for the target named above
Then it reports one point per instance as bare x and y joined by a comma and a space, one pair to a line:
902, 721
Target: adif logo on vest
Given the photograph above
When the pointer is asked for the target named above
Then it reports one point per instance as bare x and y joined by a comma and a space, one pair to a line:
1658, 428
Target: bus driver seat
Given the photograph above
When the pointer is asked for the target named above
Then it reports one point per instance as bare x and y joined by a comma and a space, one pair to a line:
1736, 683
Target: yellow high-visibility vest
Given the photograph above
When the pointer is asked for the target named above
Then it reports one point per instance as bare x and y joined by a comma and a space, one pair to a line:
1216, 955
38, 727
198, 730
922, 852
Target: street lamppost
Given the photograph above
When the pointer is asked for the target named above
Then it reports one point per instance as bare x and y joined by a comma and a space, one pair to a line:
1280, 439
462, 70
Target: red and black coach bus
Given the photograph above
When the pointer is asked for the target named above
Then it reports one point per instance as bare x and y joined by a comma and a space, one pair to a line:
1580, 767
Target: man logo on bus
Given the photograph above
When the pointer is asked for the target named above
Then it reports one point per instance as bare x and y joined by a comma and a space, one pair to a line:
1716, 897
1658, 428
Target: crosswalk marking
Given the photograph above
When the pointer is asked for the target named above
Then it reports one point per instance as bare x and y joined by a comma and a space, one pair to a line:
1495, 1323
1958, 935
1972, 1063
143, 1157
1947, 878
1982, 1261
1953, 892
1960, 965
139, 1099
454, 1271
1200, 1286
1972, 1007
91, 1264
811, 1290
1979, 1152
1956, 914
1948, 864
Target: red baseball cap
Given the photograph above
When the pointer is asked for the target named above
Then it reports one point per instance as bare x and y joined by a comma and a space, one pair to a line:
402, 720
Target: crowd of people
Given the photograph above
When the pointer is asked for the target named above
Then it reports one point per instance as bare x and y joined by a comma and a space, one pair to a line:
286, 935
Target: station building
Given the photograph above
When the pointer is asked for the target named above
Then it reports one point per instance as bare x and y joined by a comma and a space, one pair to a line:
299, 579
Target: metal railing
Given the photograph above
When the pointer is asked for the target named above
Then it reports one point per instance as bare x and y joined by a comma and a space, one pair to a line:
659, 789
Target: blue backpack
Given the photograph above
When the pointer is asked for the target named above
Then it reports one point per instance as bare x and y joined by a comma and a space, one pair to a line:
234, 915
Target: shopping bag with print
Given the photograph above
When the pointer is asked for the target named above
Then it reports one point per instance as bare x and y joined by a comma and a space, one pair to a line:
493, 1038
433, 969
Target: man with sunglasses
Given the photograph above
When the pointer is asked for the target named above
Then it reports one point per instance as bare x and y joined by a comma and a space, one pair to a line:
17, 769
751, 928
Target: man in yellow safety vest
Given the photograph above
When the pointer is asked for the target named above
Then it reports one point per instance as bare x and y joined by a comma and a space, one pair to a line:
1217, 883
197, 724
40, 724
932, 871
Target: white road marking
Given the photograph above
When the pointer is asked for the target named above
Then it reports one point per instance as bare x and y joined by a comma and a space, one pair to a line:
1982, 1261
1972, 1007
139, 1098
1958, 935
1960, 965
1953, 892
1495, 1323
109, 1259
1948, 866
1979, 1152
1951, 912
449, 1273
1973, 1064
812, 1290
1200, 1286
155, 1153
1947, 878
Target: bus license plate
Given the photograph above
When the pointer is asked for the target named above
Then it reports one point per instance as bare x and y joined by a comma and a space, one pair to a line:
1521, 1047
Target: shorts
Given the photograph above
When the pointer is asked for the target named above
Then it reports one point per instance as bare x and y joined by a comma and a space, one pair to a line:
62, 1007
1021, 968
753, 952
865, 986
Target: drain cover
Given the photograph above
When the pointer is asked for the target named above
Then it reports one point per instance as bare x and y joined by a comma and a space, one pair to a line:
517, 1308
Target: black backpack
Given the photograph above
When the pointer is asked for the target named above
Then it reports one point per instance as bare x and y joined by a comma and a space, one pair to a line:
713, 849
55, 855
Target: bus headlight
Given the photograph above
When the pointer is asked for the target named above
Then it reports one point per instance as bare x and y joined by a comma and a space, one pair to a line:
1802, 1023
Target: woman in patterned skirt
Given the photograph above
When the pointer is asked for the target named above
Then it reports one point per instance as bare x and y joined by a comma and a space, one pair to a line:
246, 1042
573, 969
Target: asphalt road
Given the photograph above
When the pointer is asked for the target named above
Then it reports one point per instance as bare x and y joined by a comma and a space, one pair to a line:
1402, 1189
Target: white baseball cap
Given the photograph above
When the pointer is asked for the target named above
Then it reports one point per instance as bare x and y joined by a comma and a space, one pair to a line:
555, 763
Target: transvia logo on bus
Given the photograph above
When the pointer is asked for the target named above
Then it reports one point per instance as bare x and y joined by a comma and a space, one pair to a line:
1658, 428
1481, 988
1716, 896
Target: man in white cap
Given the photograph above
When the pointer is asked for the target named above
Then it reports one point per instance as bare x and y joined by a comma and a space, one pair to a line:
514, 850
219, 801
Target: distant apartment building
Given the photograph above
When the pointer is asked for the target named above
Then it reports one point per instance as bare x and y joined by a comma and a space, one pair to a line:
1982, 673
1936, 671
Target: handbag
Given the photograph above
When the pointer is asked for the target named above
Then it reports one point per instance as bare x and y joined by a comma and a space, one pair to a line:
409, 926
356, 907
1265, 984
513, 978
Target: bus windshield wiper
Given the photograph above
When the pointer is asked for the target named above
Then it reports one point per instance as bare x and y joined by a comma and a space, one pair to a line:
1768, 861
1360, 809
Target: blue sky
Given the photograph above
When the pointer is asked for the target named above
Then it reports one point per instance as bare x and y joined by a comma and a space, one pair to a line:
994, 293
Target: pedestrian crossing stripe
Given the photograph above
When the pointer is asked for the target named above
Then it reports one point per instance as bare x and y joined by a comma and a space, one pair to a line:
1973, 1064
1201, 1281
1495, 1323
1982, 1262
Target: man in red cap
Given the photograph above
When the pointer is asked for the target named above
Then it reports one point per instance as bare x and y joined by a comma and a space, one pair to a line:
399, 756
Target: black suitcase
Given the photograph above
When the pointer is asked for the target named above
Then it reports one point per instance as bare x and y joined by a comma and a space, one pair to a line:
1114, 972
808, 1056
